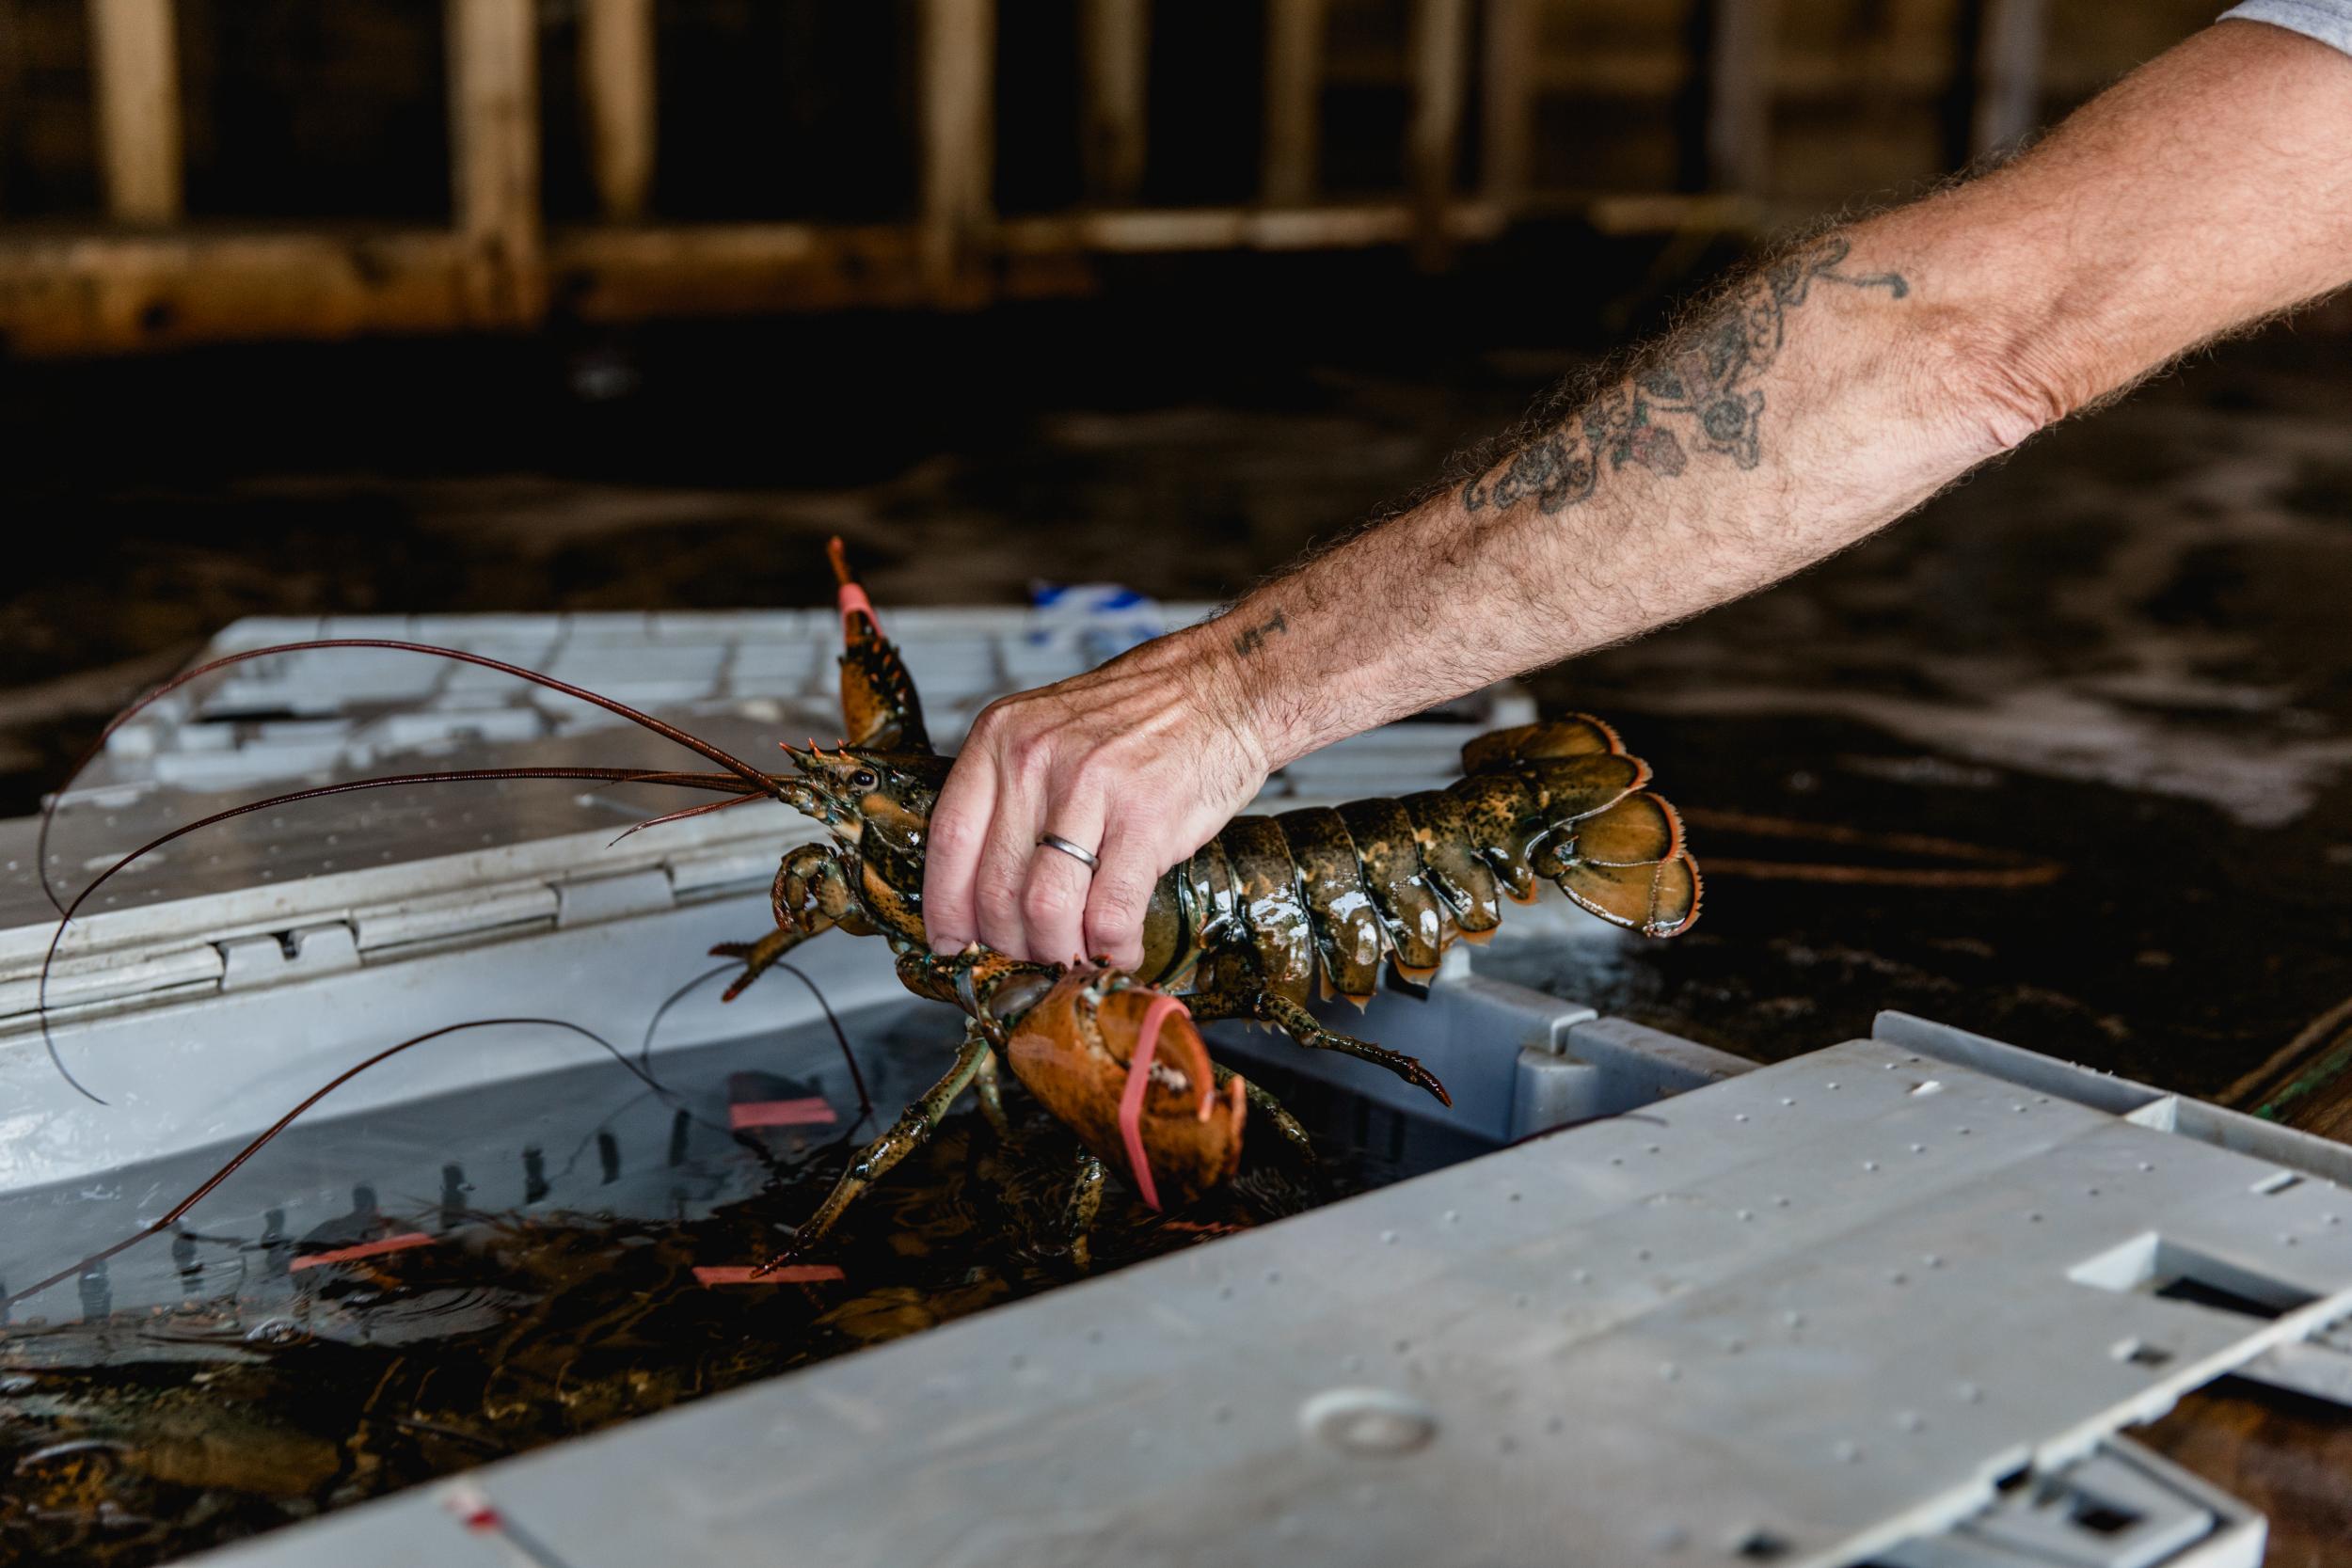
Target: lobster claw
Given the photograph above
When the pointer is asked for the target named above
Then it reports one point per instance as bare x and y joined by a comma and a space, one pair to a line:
1124, 1066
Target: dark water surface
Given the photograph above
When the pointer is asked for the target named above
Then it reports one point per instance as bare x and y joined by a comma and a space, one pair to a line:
215, 1383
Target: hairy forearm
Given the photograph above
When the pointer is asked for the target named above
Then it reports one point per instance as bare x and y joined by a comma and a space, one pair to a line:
1825, 395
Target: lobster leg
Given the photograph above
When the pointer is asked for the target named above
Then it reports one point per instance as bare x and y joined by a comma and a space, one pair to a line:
758, 956
914, 1125
1300, 1025
811, 896
1263, 1100
991, 1090
1086, 1202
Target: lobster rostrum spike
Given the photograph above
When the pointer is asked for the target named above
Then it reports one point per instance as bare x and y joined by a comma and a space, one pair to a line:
1123, 1067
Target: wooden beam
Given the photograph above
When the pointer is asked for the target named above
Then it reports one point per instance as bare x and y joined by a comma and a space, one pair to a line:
494, 138
2007, 74
1438, 50
107, 292
134, 63
1184, 228
1737, 70
1115, 43
1507, 90
616, 86
1294, 101
119, 292
958, 109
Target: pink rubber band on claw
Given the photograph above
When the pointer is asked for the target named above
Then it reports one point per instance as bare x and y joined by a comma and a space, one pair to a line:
1131, 1097
854, 602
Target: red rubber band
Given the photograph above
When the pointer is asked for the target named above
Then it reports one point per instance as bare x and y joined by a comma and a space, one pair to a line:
749, 1273
854, 602
780, 1113
1131, 1097
400, 1243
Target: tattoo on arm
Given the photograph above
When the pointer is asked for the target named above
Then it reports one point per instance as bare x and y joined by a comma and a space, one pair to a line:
1251, 640
1697, 385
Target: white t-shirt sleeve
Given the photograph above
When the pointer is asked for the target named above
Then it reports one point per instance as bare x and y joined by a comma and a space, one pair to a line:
2328, 21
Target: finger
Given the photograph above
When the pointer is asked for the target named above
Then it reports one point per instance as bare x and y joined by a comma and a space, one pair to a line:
1122, 892
1054, 906
1003, 875
951, 854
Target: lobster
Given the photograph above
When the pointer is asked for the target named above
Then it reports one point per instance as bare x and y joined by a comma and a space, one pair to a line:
1268, 912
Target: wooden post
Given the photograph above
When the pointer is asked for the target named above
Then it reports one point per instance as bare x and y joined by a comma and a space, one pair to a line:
1738, 71
959, 68
1440, 47
616, 85
1294, 99
1508, 128
1114, 40
135, 64
2007, 72
493, 139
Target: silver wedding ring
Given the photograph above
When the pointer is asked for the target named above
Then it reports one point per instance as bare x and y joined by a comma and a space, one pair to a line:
1055, 841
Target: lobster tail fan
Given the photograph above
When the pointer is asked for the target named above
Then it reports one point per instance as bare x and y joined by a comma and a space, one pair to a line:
1661, 900
879, 702
1628, 865
1640, 830
1571, 734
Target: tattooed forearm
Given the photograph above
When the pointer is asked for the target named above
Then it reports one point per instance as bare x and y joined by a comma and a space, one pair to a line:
1697, 385
1251, 640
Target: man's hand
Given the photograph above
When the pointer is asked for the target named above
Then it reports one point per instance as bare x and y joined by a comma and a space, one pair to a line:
1140, 762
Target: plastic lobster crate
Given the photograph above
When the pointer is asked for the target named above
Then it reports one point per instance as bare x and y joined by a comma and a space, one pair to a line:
1890, 1302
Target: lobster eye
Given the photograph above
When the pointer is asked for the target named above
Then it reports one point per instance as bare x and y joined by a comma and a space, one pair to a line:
864, 779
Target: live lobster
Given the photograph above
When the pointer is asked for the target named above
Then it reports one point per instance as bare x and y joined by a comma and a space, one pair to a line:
1250, 925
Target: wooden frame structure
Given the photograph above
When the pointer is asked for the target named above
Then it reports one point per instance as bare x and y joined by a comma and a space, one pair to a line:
144, 279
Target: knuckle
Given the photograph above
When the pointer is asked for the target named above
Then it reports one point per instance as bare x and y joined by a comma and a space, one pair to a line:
953, 833
1047, 901
989, 720
1027, 752
999, 906
1119, 897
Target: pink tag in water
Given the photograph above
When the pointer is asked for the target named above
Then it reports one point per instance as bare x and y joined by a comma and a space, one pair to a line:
400, 1243
780, 1113
748, 1274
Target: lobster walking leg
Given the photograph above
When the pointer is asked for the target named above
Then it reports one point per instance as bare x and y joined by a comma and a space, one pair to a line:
1086, 1202
989, 1085
758, 956
812, 894
1263, 1100
914, 1125
1273, 1007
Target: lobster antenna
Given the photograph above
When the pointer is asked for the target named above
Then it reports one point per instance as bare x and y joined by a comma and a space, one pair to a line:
204, 1190
841, 1037
704, 810
65, 916
734, 765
